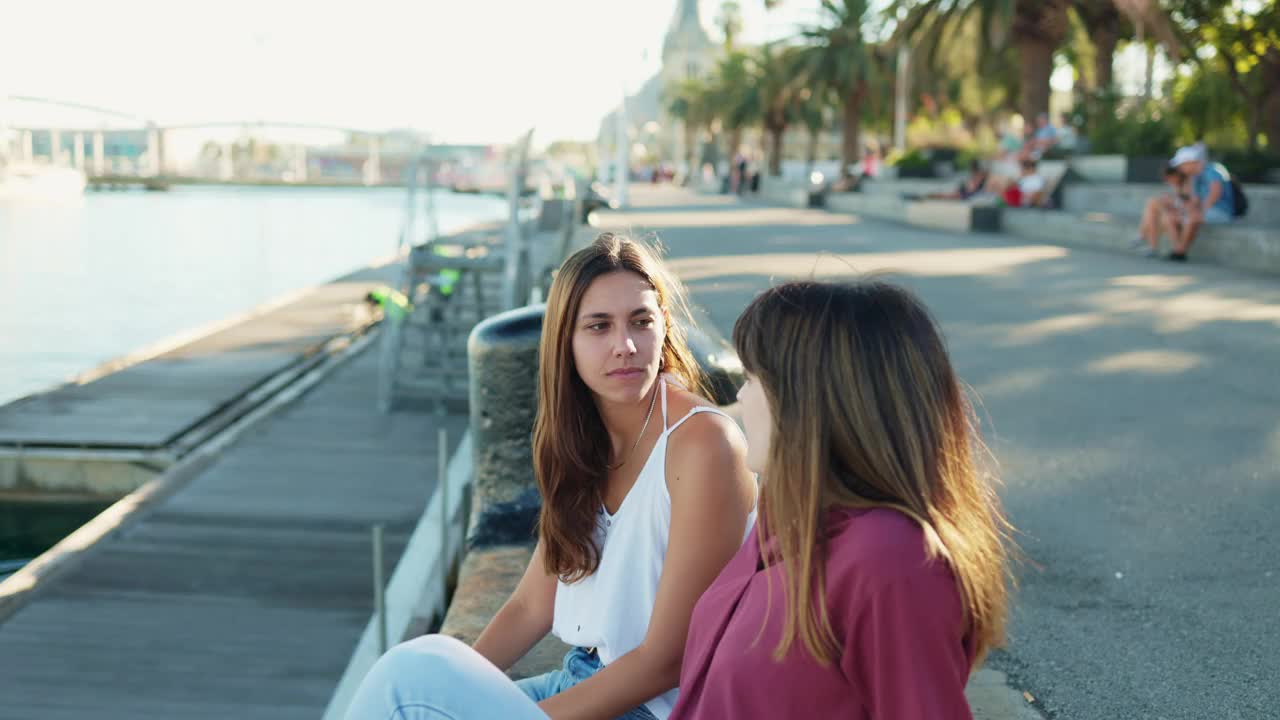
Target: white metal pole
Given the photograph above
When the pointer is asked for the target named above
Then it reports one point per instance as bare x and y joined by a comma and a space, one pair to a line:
379, 602
622, 159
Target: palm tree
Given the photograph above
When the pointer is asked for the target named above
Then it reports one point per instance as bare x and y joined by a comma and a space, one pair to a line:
1035, 28
811, 111
730, 23
838, 60
776, 89
734, 97
690, 103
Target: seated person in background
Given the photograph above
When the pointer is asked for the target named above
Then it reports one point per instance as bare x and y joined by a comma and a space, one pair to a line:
1042, 138
1210, 201
972, 185
1029, 190
1165, 212
1010, 143
1068, 138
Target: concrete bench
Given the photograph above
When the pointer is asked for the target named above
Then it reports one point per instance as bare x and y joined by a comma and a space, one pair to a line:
1245, 245
954, 215
1128, 199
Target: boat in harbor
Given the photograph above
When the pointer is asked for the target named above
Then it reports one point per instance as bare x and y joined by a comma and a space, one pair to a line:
30, 181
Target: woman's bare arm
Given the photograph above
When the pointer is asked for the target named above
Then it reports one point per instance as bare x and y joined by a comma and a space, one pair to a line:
524, 619
712, 491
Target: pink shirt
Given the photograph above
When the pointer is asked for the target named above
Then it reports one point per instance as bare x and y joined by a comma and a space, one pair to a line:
904, 653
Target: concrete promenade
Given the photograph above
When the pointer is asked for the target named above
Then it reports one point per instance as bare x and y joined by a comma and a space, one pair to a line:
1134, 408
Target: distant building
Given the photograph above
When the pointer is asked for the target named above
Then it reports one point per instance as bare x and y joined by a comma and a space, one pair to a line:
687, 52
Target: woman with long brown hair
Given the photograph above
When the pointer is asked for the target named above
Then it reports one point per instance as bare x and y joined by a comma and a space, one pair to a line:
875, 580
645, 497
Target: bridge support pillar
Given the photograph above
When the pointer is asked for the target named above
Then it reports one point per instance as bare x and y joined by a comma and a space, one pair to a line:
155, 151
99, 154
373, 165
28, 147
78, 157
55, 147
227, 162
300, 163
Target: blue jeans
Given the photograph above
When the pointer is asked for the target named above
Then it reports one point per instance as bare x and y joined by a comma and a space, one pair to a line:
578, 666
439, 678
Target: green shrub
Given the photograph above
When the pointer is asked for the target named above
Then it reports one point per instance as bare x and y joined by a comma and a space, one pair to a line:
913, 159
1246, 166
1118, 128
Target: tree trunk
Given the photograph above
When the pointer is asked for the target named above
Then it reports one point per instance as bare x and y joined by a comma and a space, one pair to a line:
735, 143
1039, 27
1104, 41
811, 153
690, 150
850, 140
1271, 101
775, 150
1036, 58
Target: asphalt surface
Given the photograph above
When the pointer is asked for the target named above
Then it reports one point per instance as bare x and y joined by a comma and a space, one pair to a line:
1134, 408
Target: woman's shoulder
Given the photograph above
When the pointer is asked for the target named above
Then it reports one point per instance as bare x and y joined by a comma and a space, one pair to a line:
699, 425
880, 545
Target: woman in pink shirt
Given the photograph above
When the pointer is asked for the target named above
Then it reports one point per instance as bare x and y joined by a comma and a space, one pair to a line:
875, 580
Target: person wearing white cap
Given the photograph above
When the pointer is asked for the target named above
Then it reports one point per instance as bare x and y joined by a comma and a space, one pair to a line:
1211, 200
1165, 213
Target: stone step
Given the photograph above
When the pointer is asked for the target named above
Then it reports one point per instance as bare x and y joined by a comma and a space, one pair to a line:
1128, 199
1245, 246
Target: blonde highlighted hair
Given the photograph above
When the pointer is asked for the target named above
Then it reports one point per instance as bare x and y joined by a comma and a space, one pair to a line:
867, 412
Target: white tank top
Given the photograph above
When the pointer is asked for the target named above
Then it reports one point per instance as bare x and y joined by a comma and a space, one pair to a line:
610, 609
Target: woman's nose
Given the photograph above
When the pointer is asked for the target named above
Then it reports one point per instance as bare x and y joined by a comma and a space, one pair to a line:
624, 345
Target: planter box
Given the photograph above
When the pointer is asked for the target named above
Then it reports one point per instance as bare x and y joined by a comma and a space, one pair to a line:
1100, 168
1146, 169
1119, 168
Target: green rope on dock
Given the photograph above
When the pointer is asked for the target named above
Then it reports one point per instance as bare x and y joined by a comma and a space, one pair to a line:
395, 305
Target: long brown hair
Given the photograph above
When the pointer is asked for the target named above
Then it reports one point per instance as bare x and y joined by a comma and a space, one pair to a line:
867, 412
570, 444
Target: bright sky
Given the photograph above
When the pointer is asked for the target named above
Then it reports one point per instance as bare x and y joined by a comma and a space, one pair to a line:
463, 70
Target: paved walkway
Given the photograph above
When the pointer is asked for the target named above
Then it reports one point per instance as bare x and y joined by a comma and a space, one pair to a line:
1135, 409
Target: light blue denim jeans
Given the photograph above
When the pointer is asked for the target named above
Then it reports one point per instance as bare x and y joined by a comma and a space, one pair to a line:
579, 664
436, 677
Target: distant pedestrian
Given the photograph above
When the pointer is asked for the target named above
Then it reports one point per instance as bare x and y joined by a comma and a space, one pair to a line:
1211, 201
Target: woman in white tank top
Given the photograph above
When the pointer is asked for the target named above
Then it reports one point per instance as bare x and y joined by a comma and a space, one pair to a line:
646, 495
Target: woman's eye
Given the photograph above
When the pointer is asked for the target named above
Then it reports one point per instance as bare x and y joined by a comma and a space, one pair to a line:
597, 327
644, 322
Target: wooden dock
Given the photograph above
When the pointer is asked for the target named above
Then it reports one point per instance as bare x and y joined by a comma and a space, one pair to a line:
242, 594
114, 428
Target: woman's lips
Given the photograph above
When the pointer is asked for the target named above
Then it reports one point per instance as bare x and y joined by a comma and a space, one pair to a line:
626, 372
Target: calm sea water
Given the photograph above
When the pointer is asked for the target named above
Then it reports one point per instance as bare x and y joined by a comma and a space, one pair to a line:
84, 283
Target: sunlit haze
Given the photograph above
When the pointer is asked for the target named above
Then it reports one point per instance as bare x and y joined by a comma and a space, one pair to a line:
476, 71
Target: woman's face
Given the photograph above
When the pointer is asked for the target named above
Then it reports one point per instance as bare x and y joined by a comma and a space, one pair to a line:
618, 337
757, 423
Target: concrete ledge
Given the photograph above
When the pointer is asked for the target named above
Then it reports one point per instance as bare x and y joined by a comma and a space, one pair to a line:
779, 192
1243, 246
487, 579
951, 215
1128, 200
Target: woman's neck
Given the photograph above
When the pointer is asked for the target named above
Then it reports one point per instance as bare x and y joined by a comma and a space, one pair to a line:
624, 421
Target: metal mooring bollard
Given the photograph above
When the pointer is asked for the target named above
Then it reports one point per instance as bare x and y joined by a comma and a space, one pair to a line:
503, 356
